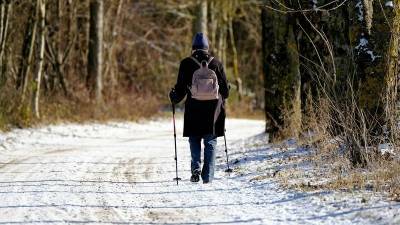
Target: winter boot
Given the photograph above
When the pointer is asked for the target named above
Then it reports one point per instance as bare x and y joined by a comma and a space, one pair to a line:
195, 177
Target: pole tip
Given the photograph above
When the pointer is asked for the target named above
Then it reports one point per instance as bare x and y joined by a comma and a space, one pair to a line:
228, 171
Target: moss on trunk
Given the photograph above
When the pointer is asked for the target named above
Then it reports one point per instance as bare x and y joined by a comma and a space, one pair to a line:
281, 74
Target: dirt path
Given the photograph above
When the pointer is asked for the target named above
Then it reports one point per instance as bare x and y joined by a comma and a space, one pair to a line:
121, 173
112, 174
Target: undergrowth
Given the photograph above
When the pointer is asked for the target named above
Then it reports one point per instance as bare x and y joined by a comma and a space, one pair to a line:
78, 108
123, 105
245, 107
331, 167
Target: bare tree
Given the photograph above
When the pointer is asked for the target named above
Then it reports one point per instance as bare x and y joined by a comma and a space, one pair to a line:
58, 49
238, 81
38, 78
27, 52
111, 64
5, 12
95, 55
201, 20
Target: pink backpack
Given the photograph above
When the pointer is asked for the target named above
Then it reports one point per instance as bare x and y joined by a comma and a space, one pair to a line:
204, 82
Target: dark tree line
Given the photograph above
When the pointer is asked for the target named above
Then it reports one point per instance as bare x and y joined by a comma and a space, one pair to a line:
341, 55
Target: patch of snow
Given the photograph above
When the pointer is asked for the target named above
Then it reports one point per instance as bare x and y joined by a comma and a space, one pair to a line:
363, 47
372, 55
314, 4
308, 134
291, 142
386, 148
360, 8
363, 43
389, 4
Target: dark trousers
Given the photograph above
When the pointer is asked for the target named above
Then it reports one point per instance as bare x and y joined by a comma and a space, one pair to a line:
210, 144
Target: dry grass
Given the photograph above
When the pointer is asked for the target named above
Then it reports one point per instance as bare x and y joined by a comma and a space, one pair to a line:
332, 170
331, 165
245, 108
11, 111
384, 176
124, 107
79, 108
381, 174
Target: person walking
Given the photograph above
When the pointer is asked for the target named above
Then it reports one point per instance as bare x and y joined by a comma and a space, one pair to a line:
202, 80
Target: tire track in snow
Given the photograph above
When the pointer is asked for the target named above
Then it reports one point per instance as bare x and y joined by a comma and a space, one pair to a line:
127, 170
124, 165
18, 165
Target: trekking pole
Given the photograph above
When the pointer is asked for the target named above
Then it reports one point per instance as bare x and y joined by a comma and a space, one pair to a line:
176, 154
229, 170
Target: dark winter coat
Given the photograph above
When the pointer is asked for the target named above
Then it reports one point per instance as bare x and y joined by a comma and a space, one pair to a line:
199, 115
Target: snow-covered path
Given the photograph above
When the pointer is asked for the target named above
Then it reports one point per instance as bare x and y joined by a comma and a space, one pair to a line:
121, 173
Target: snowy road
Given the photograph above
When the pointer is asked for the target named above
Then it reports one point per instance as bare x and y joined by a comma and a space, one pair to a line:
121, 173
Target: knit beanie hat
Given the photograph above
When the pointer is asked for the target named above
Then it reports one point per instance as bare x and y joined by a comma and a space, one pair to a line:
200, 41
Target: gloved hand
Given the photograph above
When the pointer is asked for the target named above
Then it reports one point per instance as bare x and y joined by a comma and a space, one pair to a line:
173, 96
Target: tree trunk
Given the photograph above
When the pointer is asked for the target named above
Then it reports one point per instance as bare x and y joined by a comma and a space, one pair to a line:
371, 37
213, 24
391, 80
282, 74
27, 53
5, 17
59, 38
201, 20
222, 30
38, 78
238, 81
111, 64
95, 55
222, 45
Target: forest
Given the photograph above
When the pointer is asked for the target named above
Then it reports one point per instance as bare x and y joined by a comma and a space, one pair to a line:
317, 70
79, 60
310, 132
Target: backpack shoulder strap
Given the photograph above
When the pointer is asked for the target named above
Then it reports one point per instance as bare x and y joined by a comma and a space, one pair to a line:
209, 61
195, 60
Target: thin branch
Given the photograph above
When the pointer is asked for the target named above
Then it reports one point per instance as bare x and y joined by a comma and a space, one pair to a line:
320, 8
